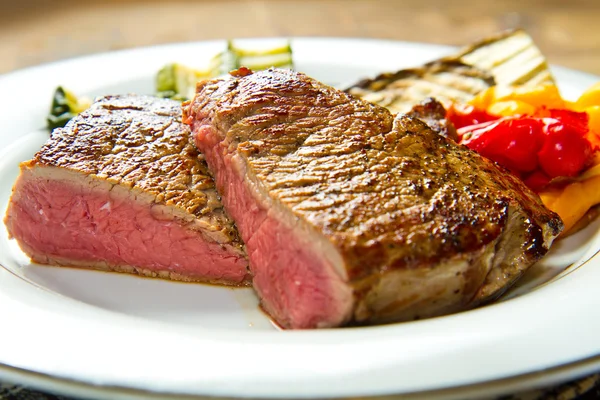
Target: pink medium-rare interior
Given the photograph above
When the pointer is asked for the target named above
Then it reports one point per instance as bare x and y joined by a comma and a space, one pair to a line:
63, 219
297, 286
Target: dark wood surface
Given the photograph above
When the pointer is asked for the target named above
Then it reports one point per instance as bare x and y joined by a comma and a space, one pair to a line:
37, 31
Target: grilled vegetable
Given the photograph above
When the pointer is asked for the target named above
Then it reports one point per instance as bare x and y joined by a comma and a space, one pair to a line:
235, 57
508, 59
178, 82
512, 58
551, 143
574, 202
554, 146
524, 98
65, 105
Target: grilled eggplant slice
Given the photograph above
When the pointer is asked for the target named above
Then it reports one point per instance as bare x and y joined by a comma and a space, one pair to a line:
510, 58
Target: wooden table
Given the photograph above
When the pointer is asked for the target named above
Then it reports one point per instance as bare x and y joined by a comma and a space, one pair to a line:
38, 31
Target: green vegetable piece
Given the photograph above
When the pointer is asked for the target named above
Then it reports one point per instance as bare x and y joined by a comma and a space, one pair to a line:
178, 82
65, 106
224, 62
235, 57
280, 57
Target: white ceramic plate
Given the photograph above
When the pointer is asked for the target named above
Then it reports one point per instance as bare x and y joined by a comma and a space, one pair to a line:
111, 335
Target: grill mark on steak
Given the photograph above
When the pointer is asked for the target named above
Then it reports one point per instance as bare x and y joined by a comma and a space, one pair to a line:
120, 178
408, 220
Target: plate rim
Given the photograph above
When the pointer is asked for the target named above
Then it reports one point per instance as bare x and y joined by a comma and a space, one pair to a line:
533, 380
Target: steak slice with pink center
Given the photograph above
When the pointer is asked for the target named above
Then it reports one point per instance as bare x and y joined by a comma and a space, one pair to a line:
352, 216
123, 188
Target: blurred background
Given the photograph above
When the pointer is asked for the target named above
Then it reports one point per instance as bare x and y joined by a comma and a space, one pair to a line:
39, 31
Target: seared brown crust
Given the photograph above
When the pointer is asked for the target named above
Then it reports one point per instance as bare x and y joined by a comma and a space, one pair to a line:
433, 113
111, 141
388, 194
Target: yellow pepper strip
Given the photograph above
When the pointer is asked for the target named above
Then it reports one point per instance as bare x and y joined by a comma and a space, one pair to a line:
592, 171
573, 201
593, 113
507, 108
589, 98
547, 96
484, 99
544, 96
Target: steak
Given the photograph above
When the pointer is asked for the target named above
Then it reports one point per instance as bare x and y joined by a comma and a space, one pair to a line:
352, 216
123, 188
433, 113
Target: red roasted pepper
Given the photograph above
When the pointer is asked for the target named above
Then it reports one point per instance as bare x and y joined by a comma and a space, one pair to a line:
537, 180
539, 148
464, 115
512, 142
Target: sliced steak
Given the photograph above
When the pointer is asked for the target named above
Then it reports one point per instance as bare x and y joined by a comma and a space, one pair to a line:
352, 217
123, 188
